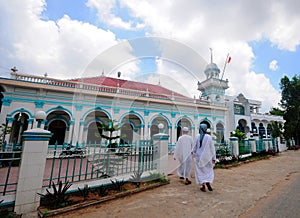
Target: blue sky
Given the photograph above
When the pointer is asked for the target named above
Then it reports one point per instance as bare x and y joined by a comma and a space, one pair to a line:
287, 61
63, 38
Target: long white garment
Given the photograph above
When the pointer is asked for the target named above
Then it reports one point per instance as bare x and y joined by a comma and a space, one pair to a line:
183, 154
203, 157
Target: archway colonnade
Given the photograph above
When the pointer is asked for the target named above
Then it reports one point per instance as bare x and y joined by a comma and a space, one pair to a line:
83, 128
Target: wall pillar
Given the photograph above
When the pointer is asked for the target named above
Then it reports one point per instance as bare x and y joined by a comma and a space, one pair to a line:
266, 142
235, 146
160, 142
31, 170
253, 145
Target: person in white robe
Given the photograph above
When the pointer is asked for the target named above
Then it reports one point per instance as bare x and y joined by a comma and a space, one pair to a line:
204, 159
183, 153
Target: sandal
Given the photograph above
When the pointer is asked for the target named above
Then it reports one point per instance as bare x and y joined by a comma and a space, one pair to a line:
209, 187
188, 182
203, 188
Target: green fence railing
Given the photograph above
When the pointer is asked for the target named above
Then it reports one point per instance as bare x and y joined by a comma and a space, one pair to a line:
96, 162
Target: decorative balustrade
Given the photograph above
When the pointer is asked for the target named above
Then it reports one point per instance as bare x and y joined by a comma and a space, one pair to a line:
107, 89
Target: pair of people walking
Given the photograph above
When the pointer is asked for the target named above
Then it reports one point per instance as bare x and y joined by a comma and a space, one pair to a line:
203, 150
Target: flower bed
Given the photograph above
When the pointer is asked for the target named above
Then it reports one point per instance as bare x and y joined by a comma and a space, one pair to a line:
87, 197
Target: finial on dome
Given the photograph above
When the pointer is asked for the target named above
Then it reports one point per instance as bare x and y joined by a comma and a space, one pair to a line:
211, 55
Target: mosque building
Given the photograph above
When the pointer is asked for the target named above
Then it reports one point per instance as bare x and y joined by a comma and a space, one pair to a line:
75, 108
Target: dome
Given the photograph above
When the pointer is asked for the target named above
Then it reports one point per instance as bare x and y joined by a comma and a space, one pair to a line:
211, 66
212, 71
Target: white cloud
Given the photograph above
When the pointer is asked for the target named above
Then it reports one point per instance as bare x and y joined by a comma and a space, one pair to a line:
273, 65
62, 49
67, 47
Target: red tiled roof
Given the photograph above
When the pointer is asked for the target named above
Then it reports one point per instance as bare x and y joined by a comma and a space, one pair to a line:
127, 84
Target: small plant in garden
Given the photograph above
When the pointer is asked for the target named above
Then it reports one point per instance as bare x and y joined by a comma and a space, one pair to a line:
157, 177
136, 178
102, 191
58, 196
85, 191
118, 184
110, 128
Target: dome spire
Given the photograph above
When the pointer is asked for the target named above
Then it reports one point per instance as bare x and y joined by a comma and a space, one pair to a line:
211, 55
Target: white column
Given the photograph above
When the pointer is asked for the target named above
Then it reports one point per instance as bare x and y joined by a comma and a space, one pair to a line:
31, 171
160, 142
142, 133
173, 134
235, 146
71, 129
253, 144
80, 136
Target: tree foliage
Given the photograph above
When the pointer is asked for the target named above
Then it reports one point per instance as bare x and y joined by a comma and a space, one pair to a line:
240, 135
110, 128
276, 111
290, 102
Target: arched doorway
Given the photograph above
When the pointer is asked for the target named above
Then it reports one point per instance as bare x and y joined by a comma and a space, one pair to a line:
183, 122
154, 130
132, 128
58, 129
261, 130
220, 133
93, 121
94, 133
207, 124
242, 126
126, 134
154, 125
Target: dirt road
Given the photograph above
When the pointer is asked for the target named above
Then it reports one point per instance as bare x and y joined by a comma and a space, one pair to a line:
236, 192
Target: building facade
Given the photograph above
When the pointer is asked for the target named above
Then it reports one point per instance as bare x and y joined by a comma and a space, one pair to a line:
75, 108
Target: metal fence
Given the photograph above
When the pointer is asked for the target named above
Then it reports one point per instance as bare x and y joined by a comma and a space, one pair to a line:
9, 171
74, 164
224, 149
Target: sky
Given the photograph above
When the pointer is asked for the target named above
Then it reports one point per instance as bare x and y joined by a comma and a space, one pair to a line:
160, 42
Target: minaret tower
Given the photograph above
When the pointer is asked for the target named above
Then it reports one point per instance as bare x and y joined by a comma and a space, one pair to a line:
213, 88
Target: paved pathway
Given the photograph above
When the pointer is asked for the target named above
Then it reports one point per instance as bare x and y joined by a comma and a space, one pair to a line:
236, 191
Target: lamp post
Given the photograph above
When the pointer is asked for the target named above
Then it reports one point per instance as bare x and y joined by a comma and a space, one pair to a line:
40, 116
161, 127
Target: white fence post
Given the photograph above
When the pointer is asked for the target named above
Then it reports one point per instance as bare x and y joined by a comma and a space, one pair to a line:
31, 170
235, 146
253, 145
160, 142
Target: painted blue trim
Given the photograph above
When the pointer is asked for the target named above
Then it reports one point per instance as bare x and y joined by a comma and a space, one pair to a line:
36, 136
39, 104
22, 110
159, 115
87, 124
161, 137
6, 101
97, 108
78, 107
132, 113
60, 108
146, 112
186, 117
58, 117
